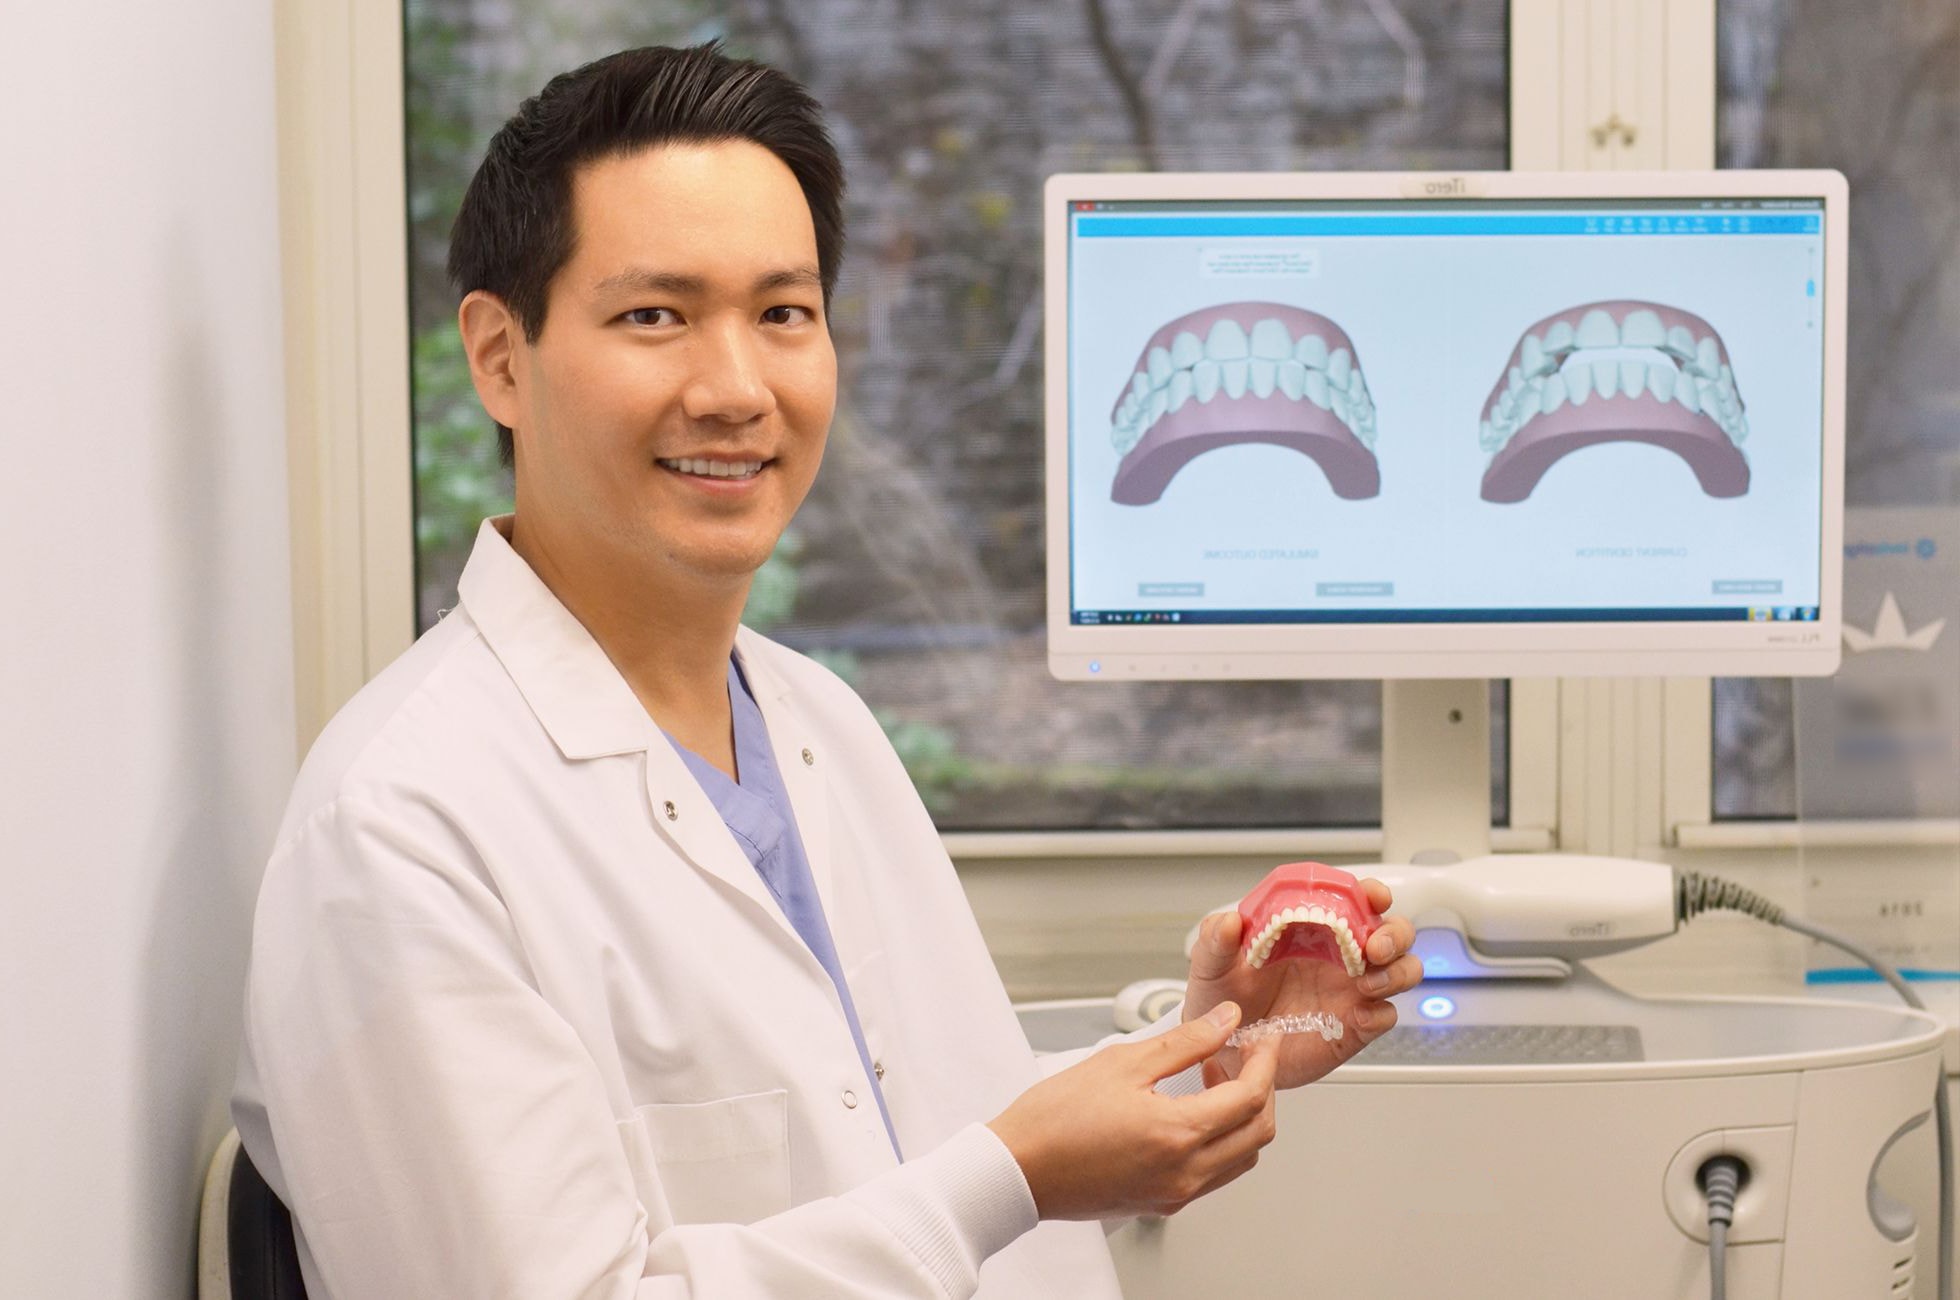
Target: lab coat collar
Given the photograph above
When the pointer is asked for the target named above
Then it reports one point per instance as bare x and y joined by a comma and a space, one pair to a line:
578, 696
589, 711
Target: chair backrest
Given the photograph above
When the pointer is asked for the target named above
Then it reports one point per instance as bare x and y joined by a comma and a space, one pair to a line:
245, 1248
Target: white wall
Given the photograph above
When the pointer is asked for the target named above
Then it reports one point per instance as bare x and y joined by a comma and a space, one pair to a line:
146, 734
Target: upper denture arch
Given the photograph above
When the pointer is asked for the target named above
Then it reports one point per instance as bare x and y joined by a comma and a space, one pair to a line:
1619, 370
1244, 372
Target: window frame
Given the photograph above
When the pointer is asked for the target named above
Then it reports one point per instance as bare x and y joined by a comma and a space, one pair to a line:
1603, 766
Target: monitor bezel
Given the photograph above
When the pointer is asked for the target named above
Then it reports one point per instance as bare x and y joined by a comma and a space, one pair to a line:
1442, 650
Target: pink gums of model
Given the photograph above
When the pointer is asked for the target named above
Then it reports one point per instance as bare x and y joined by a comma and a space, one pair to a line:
1307, 885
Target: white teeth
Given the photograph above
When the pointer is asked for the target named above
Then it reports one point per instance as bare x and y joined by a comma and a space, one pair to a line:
1606, 377
1681, 342
1226, 342
1339, 362
1553, 395
1558, 338
1265, 372
1311, 352
715, 468
1179, 390
1515, 379
1684, 393
1155, 411
1578, 382
1186, 351
1642, 329
1531, 355
1271, 341
1292, 378
1357, 387
1633, 377
1204, 380
1660, 382
1488, 438
1140, 387
1343, 408
1234, 371
1708, 358
1316, 389
1158, 365
1597, 330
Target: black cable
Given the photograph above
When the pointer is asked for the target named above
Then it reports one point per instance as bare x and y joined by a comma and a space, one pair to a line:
1721, 1177
1695, 893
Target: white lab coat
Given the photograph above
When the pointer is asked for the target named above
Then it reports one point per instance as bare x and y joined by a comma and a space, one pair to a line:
522, 1020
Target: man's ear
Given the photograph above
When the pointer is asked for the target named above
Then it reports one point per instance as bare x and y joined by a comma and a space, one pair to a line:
493, 341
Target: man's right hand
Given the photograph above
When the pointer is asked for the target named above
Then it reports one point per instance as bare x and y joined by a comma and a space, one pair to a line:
1095, 1141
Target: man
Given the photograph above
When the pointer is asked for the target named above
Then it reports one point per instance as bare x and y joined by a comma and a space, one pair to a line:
606, 949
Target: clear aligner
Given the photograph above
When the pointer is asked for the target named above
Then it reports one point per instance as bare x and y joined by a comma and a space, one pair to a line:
1318, 1022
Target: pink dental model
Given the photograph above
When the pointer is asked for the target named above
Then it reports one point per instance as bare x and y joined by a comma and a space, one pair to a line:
1307, 909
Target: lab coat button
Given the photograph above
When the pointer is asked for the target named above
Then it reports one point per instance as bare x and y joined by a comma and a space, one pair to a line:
809, 759
878, 1068
850, 1100
673, 813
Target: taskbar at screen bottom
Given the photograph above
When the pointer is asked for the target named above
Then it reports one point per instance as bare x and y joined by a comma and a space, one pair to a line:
1725, 614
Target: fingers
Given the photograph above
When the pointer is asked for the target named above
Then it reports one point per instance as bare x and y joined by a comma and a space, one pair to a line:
1373, 1019
1394, 938
1399, 976
1230, 1104
1188, 1044
1217, 949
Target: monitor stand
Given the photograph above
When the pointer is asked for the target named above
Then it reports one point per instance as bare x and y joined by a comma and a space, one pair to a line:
1435, 770
1436, 808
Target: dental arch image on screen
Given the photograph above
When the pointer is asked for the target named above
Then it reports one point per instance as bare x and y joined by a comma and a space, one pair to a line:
1288, 412
1245, 372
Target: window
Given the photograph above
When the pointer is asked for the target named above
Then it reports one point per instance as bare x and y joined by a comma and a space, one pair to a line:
915, 569
1878, 740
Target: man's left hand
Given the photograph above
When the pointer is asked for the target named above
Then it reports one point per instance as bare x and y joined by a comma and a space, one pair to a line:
1219, 973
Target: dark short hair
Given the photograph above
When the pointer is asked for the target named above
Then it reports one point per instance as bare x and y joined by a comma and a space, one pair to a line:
514, 231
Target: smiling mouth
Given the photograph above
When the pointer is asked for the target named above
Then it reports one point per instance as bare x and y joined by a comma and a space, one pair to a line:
698, 467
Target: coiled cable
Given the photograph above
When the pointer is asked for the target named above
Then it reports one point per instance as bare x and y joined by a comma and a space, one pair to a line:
1695, 893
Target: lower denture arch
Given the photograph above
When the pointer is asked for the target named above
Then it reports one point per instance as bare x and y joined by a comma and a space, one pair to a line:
1241, 373
1617, 370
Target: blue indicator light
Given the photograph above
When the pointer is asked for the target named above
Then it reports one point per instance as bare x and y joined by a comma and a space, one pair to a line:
1810, 288
1437, 1008
1095, 665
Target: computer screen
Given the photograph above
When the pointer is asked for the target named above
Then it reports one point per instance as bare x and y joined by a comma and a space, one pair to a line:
1537, 424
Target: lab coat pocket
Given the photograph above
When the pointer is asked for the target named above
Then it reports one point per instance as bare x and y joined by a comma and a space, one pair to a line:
722, 1161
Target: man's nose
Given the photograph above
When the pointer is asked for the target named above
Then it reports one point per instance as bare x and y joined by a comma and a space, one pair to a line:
729, 382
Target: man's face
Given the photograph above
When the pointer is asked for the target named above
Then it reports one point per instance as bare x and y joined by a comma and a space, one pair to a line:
672, 414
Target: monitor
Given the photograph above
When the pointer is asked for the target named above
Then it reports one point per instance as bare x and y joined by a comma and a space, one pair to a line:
1444, 426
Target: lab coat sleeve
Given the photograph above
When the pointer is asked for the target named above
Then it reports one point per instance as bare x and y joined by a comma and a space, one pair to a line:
439, 1130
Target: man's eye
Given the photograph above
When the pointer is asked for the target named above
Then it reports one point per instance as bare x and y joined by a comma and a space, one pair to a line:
651, 316
787, 315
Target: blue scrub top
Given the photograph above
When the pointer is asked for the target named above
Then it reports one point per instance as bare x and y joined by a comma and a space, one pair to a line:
758, 814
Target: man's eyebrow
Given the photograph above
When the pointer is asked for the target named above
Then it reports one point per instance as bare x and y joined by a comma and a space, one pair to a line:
641, 279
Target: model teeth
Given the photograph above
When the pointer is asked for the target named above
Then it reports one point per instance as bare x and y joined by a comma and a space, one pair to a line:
1268, 938
1231, 362
1606, 360
716, 468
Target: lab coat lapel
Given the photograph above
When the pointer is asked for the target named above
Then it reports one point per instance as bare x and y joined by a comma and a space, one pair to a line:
685, 816
802, 764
